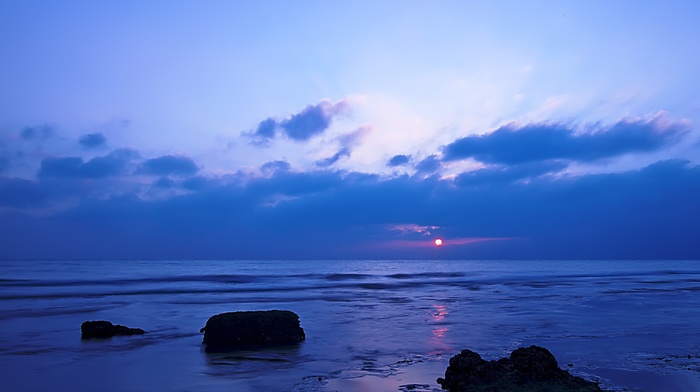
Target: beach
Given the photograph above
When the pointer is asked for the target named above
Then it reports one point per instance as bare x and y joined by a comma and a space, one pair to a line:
371, 325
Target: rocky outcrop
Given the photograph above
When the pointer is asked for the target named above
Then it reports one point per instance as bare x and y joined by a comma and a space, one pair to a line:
527, 370
105, 329
238, 329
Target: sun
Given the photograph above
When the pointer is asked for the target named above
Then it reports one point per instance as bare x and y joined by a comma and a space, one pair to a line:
438, 242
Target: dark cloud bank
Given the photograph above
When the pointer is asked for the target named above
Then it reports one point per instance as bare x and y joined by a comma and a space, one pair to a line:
649, 213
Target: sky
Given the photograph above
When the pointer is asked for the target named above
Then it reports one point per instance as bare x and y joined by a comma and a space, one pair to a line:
335, 130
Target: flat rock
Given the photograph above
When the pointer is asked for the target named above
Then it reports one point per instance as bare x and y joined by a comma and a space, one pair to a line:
105, 329
239, 329
527, 370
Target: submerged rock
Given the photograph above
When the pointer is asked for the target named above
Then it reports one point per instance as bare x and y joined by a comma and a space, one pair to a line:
527, 370
105, 329
236, 329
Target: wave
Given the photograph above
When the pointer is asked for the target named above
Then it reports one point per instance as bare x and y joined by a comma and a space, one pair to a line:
251, 284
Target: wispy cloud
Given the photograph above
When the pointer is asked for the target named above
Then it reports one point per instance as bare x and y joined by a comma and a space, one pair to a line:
412, 228
347, 143
429, 243
343, 152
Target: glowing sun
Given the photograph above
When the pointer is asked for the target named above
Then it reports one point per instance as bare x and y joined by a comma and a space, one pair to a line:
438, 242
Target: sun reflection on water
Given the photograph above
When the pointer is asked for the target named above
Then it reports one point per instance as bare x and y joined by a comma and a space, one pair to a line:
440, 329
439, 313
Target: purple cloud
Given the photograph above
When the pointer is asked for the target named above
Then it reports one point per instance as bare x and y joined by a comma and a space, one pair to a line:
428, 243
355, 137
406, 228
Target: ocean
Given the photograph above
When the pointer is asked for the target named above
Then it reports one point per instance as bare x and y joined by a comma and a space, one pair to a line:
371, 325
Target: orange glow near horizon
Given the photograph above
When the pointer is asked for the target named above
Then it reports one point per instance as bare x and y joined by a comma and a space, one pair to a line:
438, 242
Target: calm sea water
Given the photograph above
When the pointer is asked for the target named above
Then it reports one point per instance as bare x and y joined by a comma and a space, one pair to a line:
370, 325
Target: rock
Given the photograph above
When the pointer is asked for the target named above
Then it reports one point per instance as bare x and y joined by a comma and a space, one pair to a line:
236, 329
527, 370
105, 329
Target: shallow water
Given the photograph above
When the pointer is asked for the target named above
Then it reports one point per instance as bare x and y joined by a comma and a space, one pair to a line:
370, 325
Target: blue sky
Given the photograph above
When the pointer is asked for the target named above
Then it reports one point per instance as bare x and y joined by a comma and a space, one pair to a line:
317, 129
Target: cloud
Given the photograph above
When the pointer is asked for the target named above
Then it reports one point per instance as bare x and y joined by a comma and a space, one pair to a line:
551, 141
347, 142
169, 165
408, 244
467, 241
500, 174
4, 164
290, 183
164, 183
638, 214
344, 152
36, 133
61, 167
309, 122
511, 207
275, 166
21, 193
354, 138
196, 183
412, 228
113, 164
266, 129
92, 140
398, 160
428, 165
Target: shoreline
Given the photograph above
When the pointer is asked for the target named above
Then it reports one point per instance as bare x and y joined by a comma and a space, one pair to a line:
377, 323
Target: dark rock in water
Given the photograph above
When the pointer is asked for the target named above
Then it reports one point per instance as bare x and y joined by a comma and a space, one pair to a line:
105, 329
527, 370
236, 329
